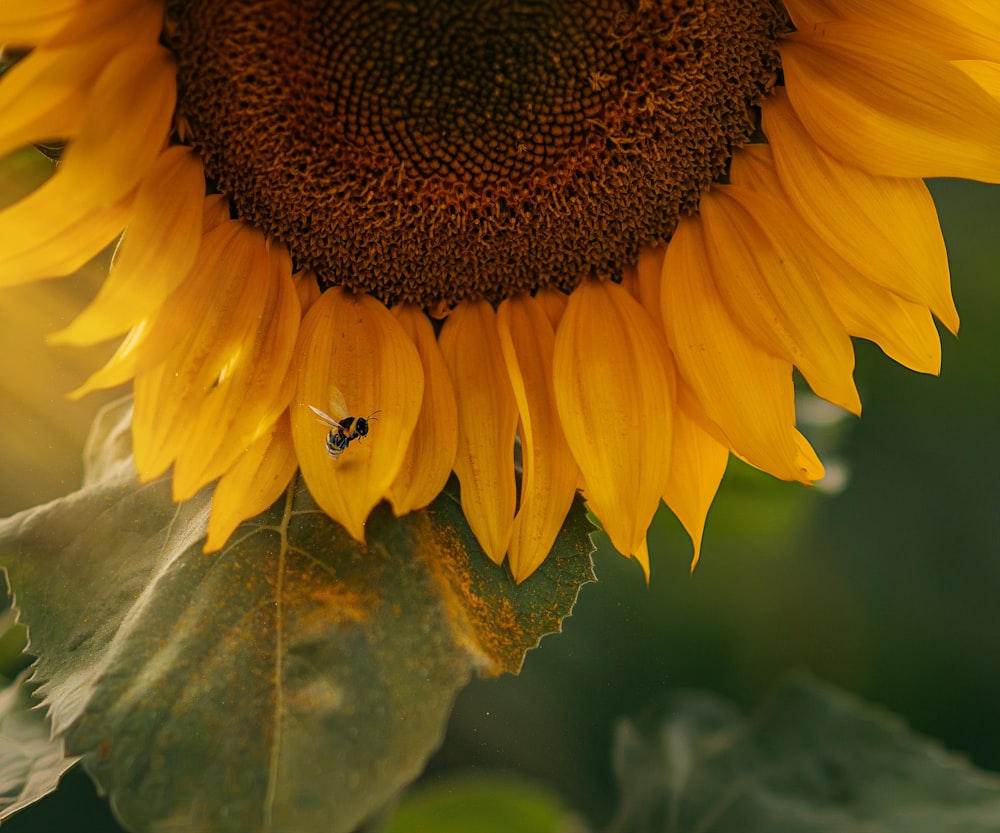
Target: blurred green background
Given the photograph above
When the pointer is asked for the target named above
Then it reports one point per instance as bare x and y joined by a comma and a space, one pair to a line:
887, 588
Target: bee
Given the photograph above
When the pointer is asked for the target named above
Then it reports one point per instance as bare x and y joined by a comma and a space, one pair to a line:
343, 427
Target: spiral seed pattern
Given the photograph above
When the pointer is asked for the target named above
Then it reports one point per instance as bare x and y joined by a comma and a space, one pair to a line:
437, 150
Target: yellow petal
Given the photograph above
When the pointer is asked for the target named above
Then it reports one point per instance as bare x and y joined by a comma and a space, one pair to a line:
985, 73
123, 131
630, 282
215, 211
307, 288
119, 368
954, 29
252, 484
158, 249
431, 453
43, 95
890, 106
771, 291
807, 13
62, 22
641, 555
58, 245
554, 303
807, 459
614, 388
903, 329
698, 463
746, 391
886, 228
649, 274
207, 299
91, 18
199, 333
26, 24
155, 442
487, 423
125, 127
354, 344
550, 473
252, 390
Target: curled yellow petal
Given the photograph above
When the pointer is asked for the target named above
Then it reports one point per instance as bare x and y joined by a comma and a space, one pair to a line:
253, 389
152, 259
487, 423
353, 344
431, 453
886, 228
771, 291
744, 390
889, 106
614, 389
550, 473
255, 482
698, 463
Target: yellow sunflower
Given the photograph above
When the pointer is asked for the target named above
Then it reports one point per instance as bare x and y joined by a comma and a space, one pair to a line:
382, 241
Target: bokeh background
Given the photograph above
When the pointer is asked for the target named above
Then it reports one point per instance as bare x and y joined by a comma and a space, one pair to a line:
886, 584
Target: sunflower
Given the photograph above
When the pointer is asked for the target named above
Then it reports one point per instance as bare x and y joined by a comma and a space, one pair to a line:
382, 242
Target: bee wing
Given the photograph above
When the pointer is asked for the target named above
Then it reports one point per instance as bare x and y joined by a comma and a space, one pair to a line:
324, 418
338, 405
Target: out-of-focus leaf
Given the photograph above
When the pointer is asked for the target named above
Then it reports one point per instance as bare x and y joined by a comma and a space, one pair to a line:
292, 681
31, 760
812, 760
481, 804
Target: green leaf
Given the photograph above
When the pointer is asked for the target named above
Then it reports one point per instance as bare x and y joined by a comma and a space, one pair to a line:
294, 680
31, 760
812, 760
481, 804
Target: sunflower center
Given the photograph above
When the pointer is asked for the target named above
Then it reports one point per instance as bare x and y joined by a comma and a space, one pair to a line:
437, 150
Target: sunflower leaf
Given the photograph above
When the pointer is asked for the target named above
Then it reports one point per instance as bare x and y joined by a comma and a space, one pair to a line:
31, 760
293, 680
812, 760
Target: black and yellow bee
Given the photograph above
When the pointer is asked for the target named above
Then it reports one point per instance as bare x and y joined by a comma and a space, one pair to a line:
344, 428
